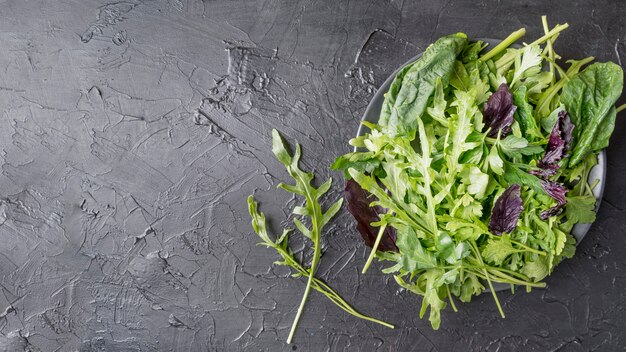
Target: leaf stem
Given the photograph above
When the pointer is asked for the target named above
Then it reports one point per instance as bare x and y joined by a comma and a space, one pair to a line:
557, 29
326, 290
301, 307
512, 38
544, 21
451, 300
381, 231
316, 218
493, 292
529, 249
620, 108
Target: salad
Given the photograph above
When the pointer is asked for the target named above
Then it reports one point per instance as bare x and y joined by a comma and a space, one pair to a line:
475, 173
478, 167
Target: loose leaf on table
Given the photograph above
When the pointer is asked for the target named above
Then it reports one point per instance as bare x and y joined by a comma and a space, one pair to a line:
589, 97
312, 209
281, 245
410, 91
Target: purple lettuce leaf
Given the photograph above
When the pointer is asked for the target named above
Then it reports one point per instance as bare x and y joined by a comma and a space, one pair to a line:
558, 146
359, 201
506, 211
498, 112
556, 191
545, 170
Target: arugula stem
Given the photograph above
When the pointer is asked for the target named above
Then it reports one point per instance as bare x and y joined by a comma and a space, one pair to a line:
526, 248
326, 290
304, 298
554, 65
381, 231
493, 292
546, 97
529, 249
545, 37
451, 300
620, 108
544, 21
316, 219
512, 38
516, 281
557, 29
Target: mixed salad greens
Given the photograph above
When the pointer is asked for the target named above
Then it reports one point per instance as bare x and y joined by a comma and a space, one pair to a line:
478, 167
475, 173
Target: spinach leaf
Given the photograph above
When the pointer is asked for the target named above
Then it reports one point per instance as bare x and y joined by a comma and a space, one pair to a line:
413, 86
589, 97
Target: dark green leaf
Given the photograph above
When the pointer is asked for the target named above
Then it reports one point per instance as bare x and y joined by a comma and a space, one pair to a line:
524, 114
589, 97
410, 92
513, 174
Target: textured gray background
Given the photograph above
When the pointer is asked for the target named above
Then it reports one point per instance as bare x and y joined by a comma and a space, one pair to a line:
131, 133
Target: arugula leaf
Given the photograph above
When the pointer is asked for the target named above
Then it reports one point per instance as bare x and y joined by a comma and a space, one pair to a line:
311, 209
414, 256
282, 248
550, 96
365, 162
431, 297
471, 286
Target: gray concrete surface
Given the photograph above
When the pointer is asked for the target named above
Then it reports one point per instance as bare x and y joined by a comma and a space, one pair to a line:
131, 133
